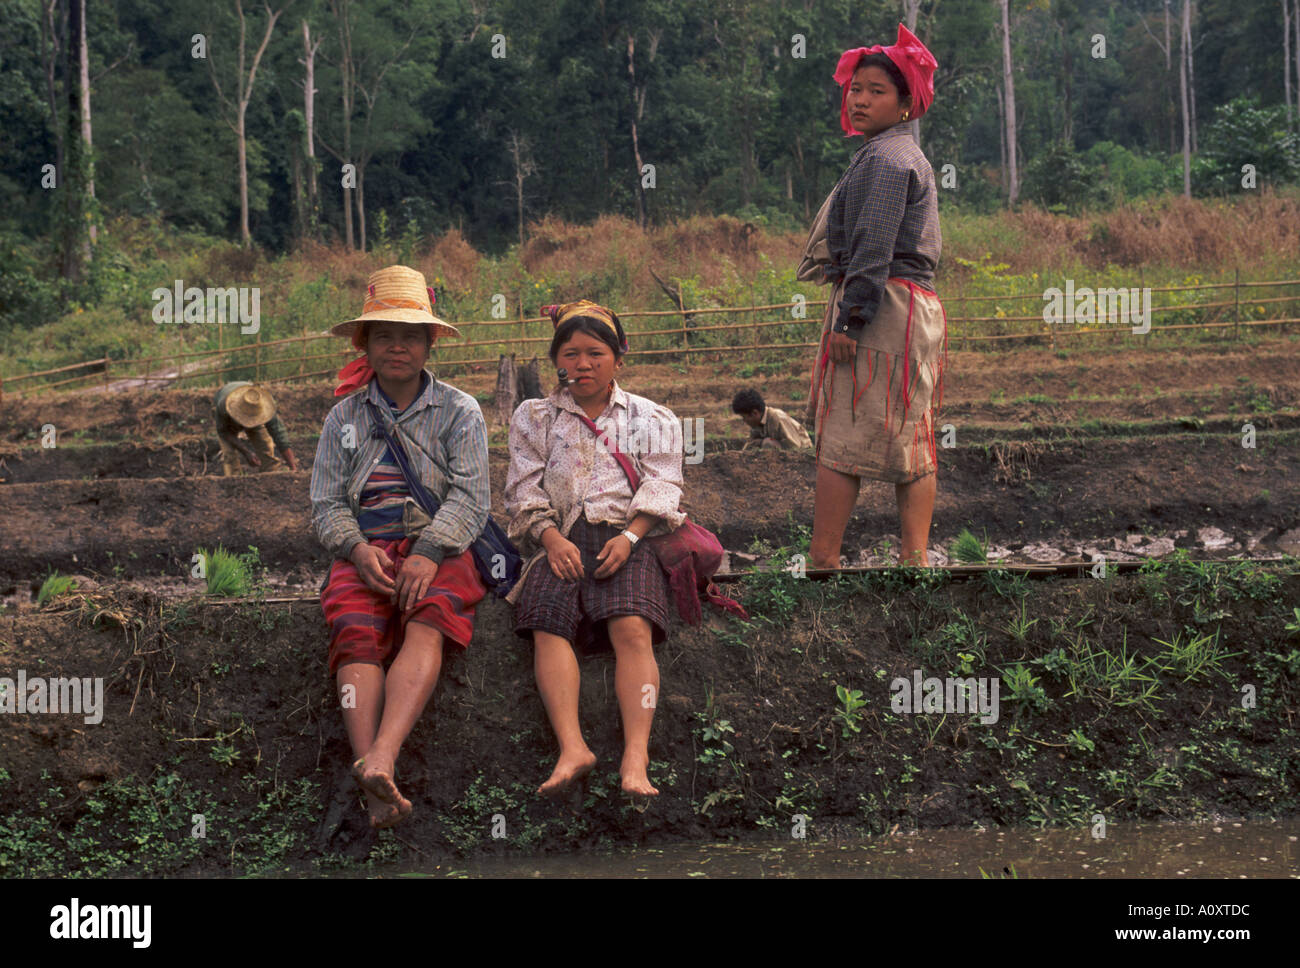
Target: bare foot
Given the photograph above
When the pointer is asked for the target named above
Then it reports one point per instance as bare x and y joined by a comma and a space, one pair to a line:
376, 781
635, 780
382, 814
389, 815
568, 770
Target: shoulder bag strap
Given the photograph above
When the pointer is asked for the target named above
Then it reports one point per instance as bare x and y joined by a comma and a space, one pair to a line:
421, 493
617, 454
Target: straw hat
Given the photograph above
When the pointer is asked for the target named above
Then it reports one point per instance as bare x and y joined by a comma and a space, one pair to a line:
250, 406
397, 294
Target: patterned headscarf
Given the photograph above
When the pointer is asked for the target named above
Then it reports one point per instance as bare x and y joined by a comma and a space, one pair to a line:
561, 314
910, 56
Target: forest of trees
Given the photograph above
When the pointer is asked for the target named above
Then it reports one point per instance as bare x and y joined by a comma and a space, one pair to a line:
348, 120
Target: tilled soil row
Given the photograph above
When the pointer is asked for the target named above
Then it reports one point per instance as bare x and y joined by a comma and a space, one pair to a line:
1115, 382
200, 455
1012, 493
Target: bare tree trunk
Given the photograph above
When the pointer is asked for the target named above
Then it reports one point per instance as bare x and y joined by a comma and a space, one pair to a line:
636, 148
243, 95
1002, 140
1295, 52
342, 13
309, 109
50, 53
73, 178
1182, 84
1008, 83
87, 141
361, 207
1169, 85
1191, 74
1286, 56
910, 10
522, 160
245, 235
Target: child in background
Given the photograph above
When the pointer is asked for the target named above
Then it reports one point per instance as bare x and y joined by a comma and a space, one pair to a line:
775, 428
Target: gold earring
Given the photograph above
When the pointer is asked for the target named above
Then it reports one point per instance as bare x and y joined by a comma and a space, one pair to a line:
904, 115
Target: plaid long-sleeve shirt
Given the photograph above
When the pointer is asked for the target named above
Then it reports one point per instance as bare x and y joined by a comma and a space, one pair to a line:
883, 223
445, 439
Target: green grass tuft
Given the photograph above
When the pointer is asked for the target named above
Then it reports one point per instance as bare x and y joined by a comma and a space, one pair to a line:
970, 550
54, 586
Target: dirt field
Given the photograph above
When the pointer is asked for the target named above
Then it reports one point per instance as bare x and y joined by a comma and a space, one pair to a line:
227, 711
1119, 451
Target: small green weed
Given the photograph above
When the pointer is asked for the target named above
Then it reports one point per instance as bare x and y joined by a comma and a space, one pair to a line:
969, 550
1024, 689
54, 586
848, 714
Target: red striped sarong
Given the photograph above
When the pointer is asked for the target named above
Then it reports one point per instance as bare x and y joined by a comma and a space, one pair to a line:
361, 620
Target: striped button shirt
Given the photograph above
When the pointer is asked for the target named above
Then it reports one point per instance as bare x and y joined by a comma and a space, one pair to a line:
446, 442
883, 223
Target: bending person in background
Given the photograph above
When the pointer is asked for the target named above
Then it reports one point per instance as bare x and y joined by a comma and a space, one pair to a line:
242, 410
879, 368
770, 426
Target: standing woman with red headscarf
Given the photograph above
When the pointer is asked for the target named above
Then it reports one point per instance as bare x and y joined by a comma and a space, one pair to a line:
879, 368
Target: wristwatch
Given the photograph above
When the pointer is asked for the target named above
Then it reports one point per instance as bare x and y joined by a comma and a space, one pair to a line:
631, 536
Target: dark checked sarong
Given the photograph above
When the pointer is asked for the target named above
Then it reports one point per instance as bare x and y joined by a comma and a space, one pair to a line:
578, 610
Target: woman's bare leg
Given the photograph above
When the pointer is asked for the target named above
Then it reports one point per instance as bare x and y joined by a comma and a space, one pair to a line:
558, 680
407, 689
361, 697
915, 509
833, 506
635, 668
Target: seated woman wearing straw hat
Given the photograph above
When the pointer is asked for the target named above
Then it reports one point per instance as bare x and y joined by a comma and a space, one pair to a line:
242, 409
402, 584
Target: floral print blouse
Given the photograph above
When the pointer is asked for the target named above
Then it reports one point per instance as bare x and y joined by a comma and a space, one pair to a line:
560, 470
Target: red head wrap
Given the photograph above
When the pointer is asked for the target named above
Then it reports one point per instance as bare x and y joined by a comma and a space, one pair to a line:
910, 56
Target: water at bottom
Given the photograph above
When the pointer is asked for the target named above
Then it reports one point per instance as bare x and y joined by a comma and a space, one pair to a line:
1229, 849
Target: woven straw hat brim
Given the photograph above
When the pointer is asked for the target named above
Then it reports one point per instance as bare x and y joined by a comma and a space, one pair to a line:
440, 327
250, 413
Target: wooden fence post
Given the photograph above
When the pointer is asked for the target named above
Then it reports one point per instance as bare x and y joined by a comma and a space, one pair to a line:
1236, 303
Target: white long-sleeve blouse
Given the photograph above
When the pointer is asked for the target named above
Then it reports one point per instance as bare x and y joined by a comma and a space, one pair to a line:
560, 470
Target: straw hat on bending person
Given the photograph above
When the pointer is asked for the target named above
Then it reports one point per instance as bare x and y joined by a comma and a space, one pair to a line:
242, 409
250, 406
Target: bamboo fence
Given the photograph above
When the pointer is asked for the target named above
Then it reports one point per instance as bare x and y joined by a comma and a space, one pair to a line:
484, 341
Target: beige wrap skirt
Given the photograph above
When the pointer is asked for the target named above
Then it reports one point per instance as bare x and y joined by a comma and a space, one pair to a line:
875, 419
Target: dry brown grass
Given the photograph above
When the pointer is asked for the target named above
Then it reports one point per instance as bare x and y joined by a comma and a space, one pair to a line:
1259, 233
1179, 231
452, 259
348, 269
701, 247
